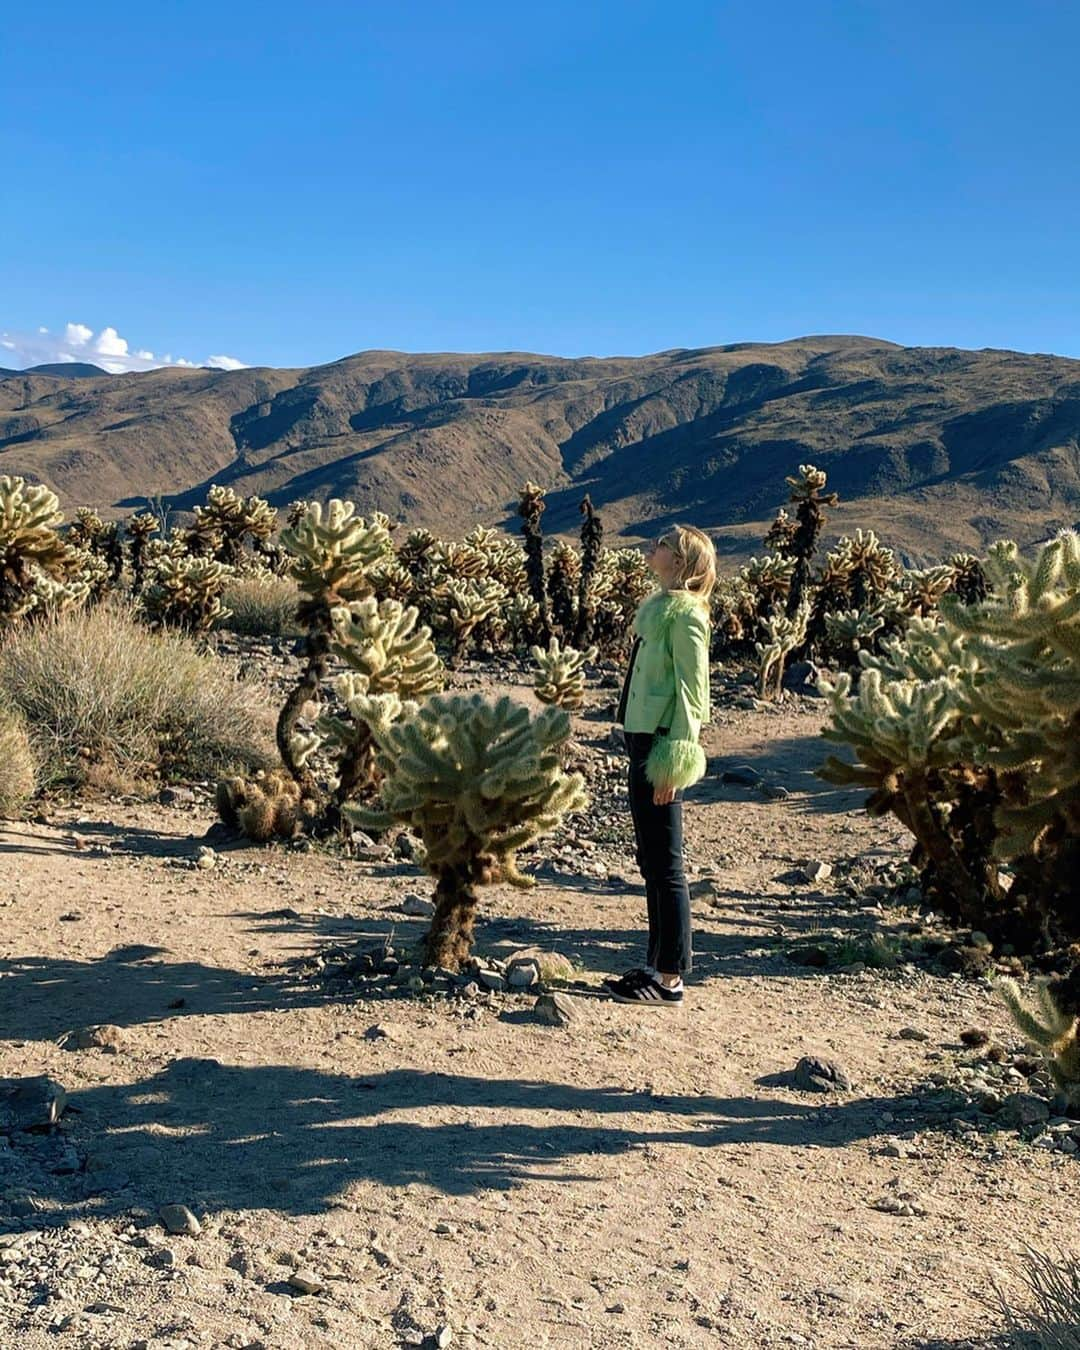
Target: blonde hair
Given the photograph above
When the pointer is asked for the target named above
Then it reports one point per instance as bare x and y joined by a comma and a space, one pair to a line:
695, 558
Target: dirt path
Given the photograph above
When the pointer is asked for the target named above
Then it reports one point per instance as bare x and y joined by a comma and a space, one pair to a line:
455, 1170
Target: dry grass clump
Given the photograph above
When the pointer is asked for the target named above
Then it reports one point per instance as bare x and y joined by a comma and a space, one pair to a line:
261, 606
18, 771
1051, 1318
107, 703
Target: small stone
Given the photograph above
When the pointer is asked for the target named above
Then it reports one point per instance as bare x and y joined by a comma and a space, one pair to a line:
491, 980
1021, 1109
443, 1336
107, 1038
417, 906
523, 974
816, 871
179, 1219
306, 1281
913, 1034
381, 1031
556, 1010
552, 965
205, 859
31, 1103
176, 796
814, 1073
704, 888
973, 1037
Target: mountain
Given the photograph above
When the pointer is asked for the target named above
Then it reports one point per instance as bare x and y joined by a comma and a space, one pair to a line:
936, 448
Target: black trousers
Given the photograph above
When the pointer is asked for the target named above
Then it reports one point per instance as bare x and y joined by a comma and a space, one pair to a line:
659, 834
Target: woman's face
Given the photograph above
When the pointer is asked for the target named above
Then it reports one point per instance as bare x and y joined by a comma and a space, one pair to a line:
662, 560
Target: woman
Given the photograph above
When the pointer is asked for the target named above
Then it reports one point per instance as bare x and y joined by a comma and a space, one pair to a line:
665, 699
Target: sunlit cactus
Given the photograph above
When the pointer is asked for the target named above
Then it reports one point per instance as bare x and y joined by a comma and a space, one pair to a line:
477, 781
464, 605
227, 521
560, 678
333, 551
1052, 1029
781, 534
186, 593
850, 632
621, 582
385, 653
31, 549
782, 634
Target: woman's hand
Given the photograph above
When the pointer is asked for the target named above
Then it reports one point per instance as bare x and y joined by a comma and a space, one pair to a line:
663, 796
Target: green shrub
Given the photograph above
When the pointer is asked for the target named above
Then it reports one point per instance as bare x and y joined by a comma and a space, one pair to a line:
262, 606
18, 772
108, 703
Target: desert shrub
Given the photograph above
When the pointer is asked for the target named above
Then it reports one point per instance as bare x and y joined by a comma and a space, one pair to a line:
18, 771
261, 605
1050, 1318
107, 702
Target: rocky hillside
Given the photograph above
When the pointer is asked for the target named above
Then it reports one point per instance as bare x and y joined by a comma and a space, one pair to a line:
935, 447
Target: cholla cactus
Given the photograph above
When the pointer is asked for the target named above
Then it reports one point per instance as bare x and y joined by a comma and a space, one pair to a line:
463, 606
140, 529
920, 590
269, 805
1026, 638
621, 582
86, 528
477, 781
1051, 1028
227, 520
810, 502
333, 552
531, 507
782, 636
592, 539
563, 579
30, 545
186, 593
782, 534
385, 653
851, 632
970, 583
560, 679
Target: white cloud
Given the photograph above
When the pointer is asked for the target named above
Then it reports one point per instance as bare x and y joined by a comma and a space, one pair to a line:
106, 349
77, 334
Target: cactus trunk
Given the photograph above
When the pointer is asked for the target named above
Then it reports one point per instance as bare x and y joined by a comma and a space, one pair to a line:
450, 938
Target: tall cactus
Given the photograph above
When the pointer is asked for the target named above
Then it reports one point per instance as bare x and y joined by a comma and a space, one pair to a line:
530, 508
592, 542
332, 552
477, 781
783, 634
810, 502
384, 652
186, 593
227, 521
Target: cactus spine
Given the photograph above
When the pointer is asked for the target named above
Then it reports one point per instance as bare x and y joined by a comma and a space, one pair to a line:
560, 679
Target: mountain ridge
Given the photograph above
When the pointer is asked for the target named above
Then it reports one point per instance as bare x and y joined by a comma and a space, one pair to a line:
935, 447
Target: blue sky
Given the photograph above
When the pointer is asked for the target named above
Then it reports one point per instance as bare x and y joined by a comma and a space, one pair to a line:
284, 184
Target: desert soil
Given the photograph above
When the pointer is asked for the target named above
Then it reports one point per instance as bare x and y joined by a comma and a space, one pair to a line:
453, 1172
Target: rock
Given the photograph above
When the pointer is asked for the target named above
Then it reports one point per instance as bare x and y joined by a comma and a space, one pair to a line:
491, 980
816, 871
443, 1337
107, 1038
179, 1219
809, 954
813, 1073
555, 1010
418, 906
913, 1034
305, 1281
30, 1103
973, 1037
381, 1031
374, 853
205, 859
801, 677
406, 848
176, 796
1021, 1109
741, 775
705, 888
552, 965
523, 974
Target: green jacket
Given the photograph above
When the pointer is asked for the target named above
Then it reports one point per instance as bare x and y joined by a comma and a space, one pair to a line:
669, 685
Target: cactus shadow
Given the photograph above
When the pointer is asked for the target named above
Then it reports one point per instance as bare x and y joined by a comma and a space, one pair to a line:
296, 1139
43, 998
789, 762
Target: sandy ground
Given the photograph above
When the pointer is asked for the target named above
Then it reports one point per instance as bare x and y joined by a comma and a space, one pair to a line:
453, 1172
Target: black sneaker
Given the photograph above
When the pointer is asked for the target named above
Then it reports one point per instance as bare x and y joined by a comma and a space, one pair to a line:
628, 980
649, 992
